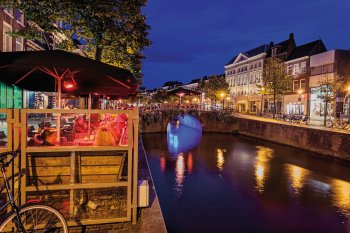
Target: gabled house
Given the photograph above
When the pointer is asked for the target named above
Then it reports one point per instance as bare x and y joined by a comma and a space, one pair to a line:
243, 73
298, 67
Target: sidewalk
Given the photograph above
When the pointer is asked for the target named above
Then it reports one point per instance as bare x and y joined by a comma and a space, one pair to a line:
312, 125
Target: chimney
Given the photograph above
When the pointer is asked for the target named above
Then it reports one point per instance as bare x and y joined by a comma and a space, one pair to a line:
291, 36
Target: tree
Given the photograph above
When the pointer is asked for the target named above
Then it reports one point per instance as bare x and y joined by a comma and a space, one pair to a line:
328, 88
114, 31
215, 87
160, 96
275, 79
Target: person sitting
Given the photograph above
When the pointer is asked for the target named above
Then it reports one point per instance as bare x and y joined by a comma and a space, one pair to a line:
80, 126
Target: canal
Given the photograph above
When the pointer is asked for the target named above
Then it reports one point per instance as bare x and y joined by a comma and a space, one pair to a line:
224, 183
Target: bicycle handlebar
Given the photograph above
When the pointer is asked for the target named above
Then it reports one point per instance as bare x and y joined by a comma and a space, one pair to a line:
5, 154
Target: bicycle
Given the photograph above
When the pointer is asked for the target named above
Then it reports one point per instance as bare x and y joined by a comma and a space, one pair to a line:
29, 218
333, 122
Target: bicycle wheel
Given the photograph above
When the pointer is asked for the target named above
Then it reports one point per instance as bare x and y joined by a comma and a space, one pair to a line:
35, 218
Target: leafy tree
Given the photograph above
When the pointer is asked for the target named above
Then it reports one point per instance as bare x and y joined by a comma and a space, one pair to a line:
276, 81
215, 87
115, 31
172, 83
160, 96
328, 87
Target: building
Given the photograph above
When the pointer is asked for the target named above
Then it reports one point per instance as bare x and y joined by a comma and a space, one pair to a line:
332, 64
281, 50
243, 73
298, 67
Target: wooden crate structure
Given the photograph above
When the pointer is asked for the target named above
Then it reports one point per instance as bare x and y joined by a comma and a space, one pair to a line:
89, 184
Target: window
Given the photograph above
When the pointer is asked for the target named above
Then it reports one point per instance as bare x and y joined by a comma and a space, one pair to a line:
296, 69
274, 52
290, 69
7, 40
251, 66
259, 64
302, 84
233, 82
255, 65
8, 11
19, 16
234, 71
295, 85
19, 44
303, 67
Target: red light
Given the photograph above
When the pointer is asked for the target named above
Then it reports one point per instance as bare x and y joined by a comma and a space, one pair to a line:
68, 85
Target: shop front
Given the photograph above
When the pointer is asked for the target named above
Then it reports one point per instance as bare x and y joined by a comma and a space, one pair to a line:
317, 104
295, 104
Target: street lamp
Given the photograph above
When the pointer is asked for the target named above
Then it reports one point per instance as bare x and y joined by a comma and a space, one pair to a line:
181, 94
262, 98
300, 92
222, 95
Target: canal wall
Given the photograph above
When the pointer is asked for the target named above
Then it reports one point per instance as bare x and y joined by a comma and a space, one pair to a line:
325, 142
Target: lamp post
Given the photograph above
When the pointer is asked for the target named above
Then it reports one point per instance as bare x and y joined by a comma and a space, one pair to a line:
228, 101
181, 94
262, 98
300, 92
223, 99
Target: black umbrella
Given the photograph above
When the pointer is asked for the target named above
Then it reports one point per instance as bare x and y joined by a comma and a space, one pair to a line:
43, 70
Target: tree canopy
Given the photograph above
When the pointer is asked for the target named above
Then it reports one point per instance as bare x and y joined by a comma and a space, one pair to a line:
113, 31
275, 79
215, 87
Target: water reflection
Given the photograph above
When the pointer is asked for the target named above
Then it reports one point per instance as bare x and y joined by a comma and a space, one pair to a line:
162, 162
220, 160
263, 155
341, 196
179, 174
298, 176
189, 163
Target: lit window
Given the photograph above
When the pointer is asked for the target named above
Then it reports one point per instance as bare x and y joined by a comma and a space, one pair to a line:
274, 52
290, 69
296, 69
19, 44
295, 85
302, 84
7, 40
303, 67
19, 16
8, 11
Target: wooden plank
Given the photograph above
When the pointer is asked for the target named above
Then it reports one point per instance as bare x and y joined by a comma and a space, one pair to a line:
47, 180
48, 171
75, 148
75, 186
102, 170
101, 160
48, 161
97, 178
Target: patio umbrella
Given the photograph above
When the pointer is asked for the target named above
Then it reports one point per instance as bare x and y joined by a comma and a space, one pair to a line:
49, 70
182, 92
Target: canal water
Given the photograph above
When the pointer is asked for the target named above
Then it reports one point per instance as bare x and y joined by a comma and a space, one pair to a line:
224, 183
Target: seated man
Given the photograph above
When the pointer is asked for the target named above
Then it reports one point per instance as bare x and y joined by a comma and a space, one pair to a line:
80, 126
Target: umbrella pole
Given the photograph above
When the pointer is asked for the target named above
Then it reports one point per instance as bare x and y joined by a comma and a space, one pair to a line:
58, 125
89, 108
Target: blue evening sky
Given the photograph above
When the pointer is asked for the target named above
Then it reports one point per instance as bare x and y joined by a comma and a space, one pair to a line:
195, 38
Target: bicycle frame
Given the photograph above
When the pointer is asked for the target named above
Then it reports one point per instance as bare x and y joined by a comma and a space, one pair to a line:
11, 201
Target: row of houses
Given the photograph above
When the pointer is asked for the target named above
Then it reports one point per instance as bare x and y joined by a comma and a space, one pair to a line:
306, 64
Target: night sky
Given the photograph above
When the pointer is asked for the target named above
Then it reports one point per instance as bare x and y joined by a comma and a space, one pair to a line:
194, 38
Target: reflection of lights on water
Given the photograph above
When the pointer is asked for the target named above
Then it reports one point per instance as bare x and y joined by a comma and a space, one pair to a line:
189, 163
341, 196
162, 163
177, 124
263, 155
179, 174
298, 176
220, 160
